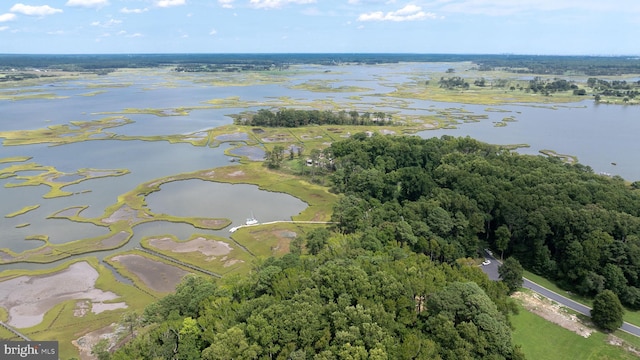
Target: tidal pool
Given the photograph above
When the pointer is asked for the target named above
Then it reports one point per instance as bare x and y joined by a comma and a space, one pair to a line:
237, 202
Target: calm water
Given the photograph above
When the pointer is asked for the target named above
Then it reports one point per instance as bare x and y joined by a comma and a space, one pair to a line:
217, 200
598, 135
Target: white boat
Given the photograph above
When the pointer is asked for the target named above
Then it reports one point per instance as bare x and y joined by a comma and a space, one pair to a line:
251, 221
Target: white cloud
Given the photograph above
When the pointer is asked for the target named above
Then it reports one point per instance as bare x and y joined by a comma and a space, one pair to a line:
134, 35
125, 10
227, 4
274, 4
510, 7
56, 32
3, 28
7, 17
213, 32
106, 24
88, 3
407, 13
34, 10
169, 3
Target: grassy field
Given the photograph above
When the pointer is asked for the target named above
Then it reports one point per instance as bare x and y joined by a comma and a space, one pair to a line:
543, 340
234, 260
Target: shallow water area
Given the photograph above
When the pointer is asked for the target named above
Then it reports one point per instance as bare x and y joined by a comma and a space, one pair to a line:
598, 135
250, 152
237, 202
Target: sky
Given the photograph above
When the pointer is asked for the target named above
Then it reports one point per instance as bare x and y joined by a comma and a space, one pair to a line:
541, 27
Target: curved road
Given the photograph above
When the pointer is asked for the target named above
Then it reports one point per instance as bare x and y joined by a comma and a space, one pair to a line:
492, 271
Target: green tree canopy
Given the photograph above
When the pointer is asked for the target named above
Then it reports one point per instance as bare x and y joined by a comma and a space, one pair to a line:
511, 274
607, 311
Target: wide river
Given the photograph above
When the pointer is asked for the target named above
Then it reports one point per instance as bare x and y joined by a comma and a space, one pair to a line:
601, 136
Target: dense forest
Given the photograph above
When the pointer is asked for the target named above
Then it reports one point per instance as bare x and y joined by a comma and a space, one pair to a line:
343, 303
393, 278
446, 197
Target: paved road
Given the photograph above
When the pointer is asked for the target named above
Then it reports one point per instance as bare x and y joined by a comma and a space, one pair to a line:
492, 271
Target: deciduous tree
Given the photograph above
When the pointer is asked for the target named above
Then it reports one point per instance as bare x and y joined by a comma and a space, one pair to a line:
607, 311
511, 274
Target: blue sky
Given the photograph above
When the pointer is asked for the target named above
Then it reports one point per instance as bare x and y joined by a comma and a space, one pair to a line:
565, 27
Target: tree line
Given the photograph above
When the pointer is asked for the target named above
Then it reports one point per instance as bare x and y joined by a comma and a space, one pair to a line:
617, 88
287, 117
560, 65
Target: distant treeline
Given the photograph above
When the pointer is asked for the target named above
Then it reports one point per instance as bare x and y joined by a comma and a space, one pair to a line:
296, 118
562, 65
559, 65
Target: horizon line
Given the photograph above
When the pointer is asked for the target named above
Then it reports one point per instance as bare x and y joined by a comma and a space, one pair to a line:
319, 53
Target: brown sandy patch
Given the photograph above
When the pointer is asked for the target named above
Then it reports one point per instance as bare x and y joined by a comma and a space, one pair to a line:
99, 307
156, 275
5, 256
553, 312
284, 240
28, 298
236, 173
205, 246
616, 341
231, 262
85, 343
125, 213
114, 240
213, 223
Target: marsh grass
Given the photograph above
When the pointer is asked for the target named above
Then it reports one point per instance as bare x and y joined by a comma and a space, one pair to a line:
22, 211
327, 87
15, 159
75, 131
236, 261
50, 176
131, 275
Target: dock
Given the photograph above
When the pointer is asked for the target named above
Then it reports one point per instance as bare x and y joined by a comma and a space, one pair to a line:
235, 228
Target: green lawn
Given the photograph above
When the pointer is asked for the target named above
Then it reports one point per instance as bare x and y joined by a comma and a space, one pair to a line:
543, 340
